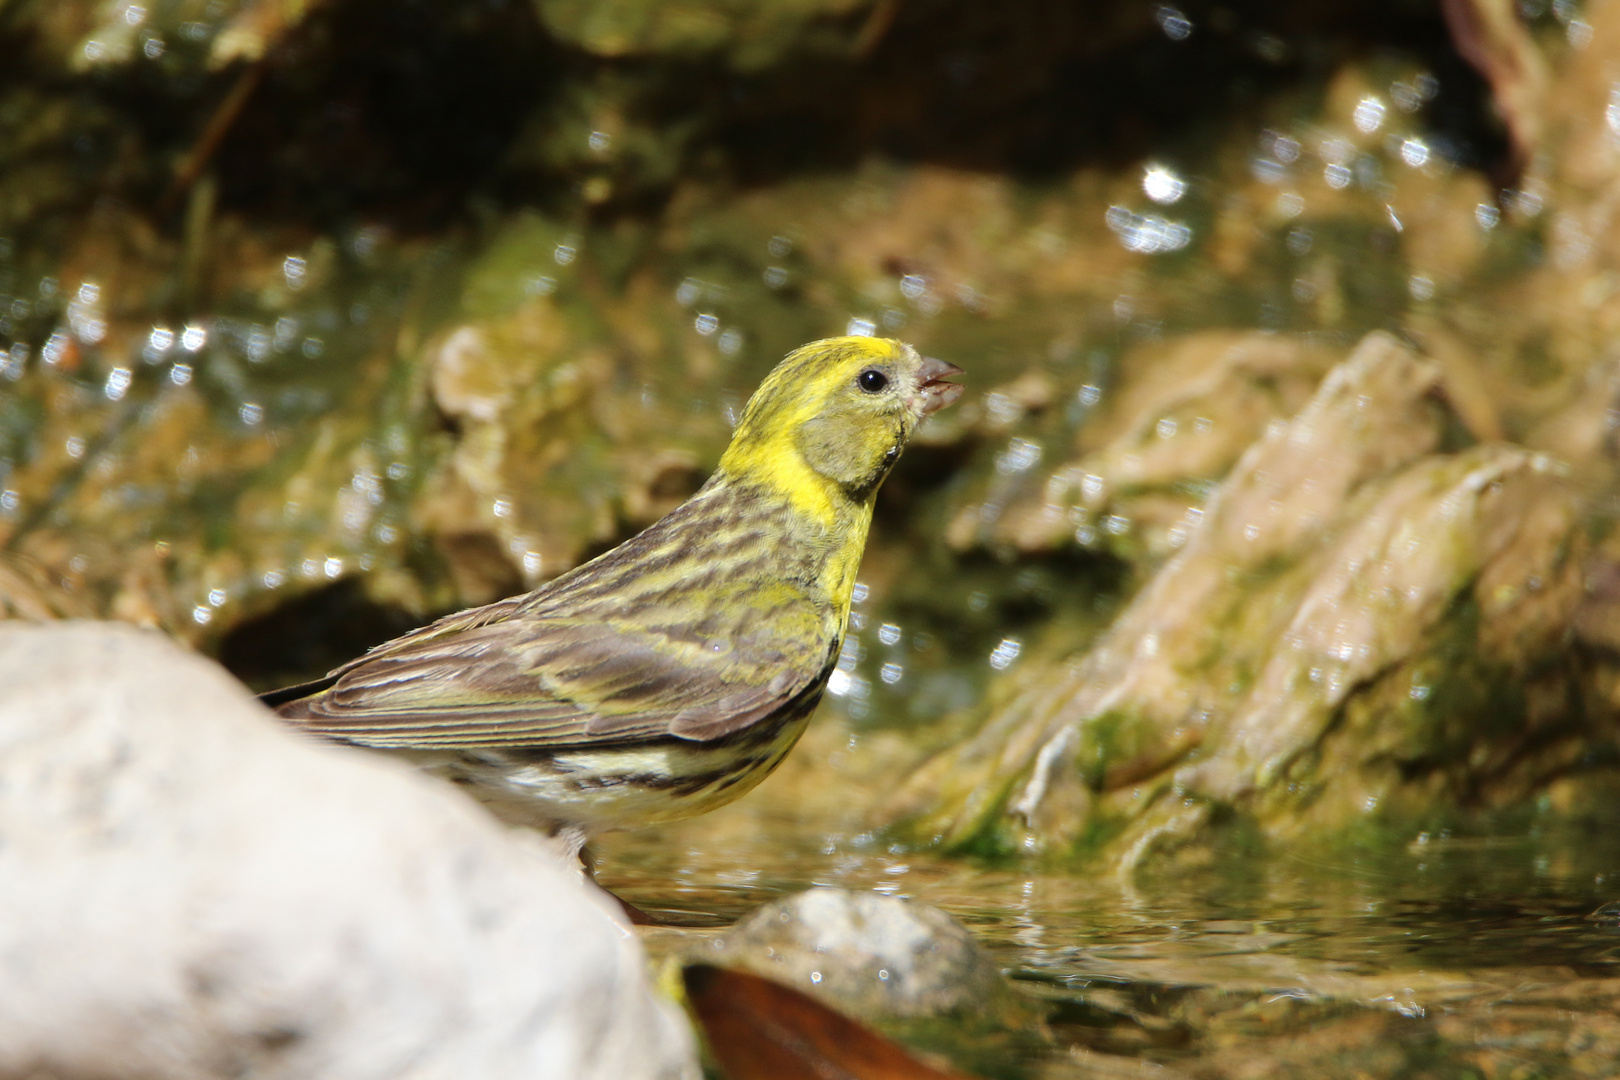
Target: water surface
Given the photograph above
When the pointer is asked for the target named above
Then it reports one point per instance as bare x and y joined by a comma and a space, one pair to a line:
1443, 956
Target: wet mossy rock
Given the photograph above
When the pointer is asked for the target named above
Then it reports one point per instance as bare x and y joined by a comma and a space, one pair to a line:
1184, 413
558, 444
465, 293
748, 34
1359, 628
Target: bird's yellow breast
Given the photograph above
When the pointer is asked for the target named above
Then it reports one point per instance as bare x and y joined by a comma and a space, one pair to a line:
776, 464
834, 523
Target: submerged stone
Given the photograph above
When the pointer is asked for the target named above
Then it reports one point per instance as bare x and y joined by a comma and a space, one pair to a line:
901, 965
873, 956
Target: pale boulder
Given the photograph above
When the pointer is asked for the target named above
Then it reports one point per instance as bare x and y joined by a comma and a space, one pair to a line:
189, 891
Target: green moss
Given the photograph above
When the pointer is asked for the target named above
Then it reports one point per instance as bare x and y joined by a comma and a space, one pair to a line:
522, 262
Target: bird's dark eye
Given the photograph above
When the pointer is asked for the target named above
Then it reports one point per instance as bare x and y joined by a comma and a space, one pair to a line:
872, 380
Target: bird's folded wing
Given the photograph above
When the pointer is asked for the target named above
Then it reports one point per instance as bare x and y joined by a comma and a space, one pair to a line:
549, 683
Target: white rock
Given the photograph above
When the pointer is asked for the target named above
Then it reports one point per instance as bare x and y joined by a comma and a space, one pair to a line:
189, 891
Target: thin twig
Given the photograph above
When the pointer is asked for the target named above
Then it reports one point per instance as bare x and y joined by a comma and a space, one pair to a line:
875, 28
219, 125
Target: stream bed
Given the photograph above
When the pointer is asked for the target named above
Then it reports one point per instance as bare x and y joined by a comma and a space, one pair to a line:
1239, 658
1444, 957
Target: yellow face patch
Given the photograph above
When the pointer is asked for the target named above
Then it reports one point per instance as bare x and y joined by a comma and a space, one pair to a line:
808, 386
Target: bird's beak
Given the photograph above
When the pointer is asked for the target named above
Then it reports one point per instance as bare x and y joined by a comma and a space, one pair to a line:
937, 393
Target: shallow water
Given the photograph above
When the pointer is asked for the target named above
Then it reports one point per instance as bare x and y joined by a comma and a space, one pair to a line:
1444, 956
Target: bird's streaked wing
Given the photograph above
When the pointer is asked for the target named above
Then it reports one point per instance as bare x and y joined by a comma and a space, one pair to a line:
547, 683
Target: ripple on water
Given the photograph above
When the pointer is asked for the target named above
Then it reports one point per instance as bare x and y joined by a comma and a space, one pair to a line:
1401, 957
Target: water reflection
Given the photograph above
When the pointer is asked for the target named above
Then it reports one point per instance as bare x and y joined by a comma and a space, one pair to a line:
1283, 967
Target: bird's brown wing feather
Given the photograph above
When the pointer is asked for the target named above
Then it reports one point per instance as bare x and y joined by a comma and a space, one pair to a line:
549, 683
696, 628
300, 693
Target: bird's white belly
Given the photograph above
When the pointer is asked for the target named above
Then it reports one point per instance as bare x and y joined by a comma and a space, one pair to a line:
619, 787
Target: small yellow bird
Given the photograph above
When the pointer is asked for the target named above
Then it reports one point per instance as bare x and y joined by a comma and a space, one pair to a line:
672, 674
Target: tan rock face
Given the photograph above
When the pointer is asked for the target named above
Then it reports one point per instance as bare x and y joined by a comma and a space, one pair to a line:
523, 399
1184, 414
1356, 625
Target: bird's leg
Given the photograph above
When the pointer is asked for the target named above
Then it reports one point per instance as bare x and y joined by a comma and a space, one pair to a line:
577, 849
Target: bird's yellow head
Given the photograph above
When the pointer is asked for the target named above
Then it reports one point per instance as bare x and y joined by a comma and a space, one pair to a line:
826, 426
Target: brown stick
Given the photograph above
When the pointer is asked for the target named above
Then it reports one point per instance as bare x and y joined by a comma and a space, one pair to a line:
219, 125
876, 26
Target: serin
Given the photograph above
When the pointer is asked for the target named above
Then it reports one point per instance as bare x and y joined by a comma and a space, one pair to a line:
671, 675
